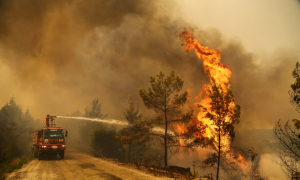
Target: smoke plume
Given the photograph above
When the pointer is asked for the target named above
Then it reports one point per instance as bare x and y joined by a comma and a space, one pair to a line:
57, 56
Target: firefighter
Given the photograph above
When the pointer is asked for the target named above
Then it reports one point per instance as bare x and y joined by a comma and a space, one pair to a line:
47, 121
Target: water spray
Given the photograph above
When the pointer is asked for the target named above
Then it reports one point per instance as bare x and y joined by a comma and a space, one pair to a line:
110, 121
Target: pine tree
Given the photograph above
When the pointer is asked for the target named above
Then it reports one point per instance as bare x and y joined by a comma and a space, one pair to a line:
131, 114
221, 108
164, 99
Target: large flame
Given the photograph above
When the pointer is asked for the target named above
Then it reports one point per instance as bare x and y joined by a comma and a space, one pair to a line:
216, 70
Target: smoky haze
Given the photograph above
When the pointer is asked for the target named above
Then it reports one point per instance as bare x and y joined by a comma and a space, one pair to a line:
57, 56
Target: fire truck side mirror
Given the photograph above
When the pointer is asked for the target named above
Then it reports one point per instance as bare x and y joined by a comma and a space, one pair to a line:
66, 133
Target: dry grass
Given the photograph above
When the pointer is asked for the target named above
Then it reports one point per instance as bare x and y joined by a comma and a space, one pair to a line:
16, 163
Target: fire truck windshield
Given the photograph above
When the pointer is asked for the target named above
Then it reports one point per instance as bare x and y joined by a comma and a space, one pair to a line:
53, 133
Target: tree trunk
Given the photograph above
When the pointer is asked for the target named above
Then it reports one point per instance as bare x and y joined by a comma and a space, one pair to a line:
219, 153
166, 149
166, 134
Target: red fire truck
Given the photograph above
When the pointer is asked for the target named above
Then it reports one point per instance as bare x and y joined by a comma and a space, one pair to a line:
49, 141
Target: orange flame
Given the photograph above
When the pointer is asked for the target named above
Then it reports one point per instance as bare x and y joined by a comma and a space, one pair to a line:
211, 58
214, 69
241, 159
179, 128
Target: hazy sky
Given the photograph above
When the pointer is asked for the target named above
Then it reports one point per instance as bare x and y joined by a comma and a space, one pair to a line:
262, 26
56, 57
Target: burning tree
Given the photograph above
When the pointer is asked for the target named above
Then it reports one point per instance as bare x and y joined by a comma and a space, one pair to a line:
223, 116
288, 136
163, 98
218, 113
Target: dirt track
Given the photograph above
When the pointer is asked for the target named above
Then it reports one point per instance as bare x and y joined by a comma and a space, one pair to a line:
77, 166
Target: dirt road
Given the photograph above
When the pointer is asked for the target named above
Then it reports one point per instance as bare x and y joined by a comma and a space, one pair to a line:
77, 166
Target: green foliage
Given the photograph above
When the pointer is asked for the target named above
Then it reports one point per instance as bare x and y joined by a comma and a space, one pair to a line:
131, 135
159, 95
164, 99
99, 137
295, 92
104, 143
95, 111
86, 127
132, 112
287, 140
77, 113
8, 168
15, 131
15, 137
287, 136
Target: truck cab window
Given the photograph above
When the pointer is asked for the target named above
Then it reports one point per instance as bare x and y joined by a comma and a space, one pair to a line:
53, 133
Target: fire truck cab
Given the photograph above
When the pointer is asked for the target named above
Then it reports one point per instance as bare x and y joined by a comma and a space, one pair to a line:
49, 141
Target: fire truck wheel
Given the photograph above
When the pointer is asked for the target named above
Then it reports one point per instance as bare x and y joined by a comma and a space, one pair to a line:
40, 156
62, 155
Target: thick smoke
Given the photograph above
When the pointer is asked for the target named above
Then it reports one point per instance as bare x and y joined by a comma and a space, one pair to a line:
57, 56
62, 55
269, 162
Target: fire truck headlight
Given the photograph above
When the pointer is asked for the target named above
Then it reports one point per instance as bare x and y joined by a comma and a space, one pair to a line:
63, 146
44, 146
